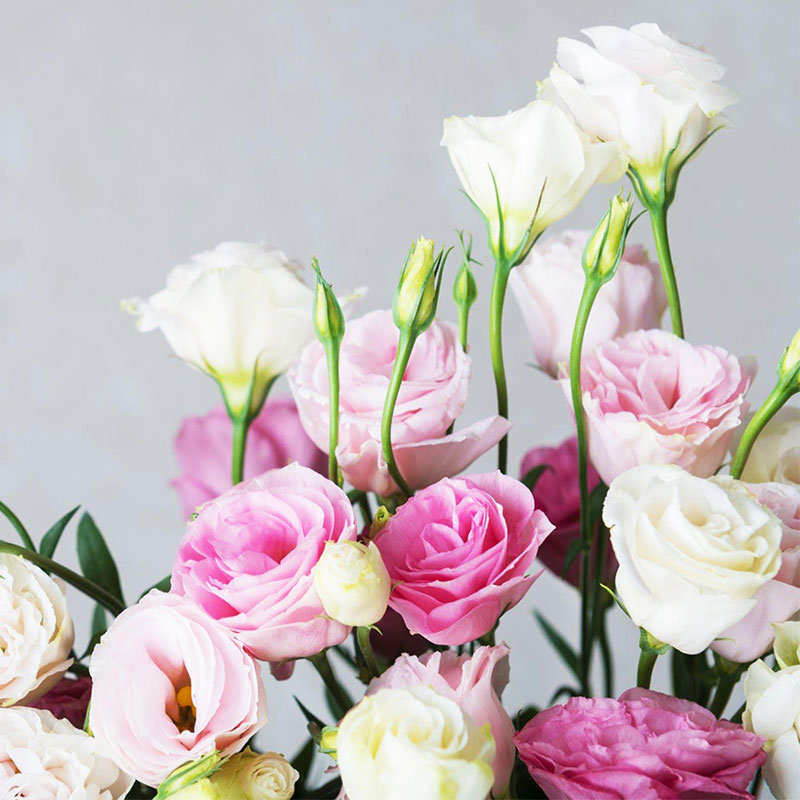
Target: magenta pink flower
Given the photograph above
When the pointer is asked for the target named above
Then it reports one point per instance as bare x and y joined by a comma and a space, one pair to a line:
645, 745
475, 682
248, 560
203, 449
459, 552
557, 495
171, 685
432, 396
652, 398
68, 699
393, 638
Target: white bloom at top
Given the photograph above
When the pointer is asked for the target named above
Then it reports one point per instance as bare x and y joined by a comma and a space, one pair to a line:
530, 153
642, 88
776, 453
240, 312
36, 632
43, 757
413, 743
692, 552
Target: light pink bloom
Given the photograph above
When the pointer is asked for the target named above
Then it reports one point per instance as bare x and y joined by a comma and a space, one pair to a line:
475, 682
432, 396
777, 600
459, 552
171, 685
557, 495
652, 398
645, 745
548, 287
68, 699
203, 449
248, 560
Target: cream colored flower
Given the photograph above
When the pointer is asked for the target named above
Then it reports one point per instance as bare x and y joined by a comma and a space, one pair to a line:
787, 643
776, 453
256, 776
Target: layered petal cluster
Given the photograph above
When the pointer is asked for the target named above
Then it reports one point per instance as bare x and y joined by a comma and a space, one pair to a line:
460, 552
433, 394
68, 699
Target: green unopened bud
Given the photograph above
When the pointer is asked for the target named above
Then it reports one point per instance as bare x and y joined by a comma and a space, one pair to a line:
192, 781
604, 249
789, 368
465, 288
329, 742
328, 316
415, 299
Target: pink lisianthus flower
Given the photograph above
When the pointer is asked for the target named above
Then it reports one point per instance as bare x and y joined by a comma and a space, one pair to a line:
475, 682
68, 699
460, 552
646, 745
248, 561
652, 398
203, 449
433, 394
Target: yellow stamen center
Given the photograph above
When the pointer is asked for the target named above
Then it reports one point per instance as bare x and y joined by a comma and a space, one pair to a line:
187, 713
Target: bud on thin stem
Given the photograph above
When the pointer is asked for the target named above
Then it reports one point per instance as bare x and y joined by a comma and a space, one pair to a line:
605, 247
465, 290
417, 292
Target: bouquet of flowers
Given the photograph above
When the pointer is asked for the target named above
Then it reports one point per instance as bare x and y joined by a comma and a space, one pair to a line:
342, 524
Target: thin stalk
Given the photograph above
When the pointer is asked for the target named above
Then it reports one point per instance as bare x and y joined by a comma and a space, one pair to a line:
658, 219
502, 272
332, 356
644, 674
607, 657
404, 347
241, 424
340, 697
365, 646
599, 615
721, 696
463, 325
776, 398
18, 526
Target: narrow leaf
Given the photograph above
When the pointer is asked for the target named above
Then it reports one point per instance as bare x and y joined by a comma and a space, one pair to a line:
18, 526
95, 558
164, 585
47, 546
573, 549
562, 647
531, 477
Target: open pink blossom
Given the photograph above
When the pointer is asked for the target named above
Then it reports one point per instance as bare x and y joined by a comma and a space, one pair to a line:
460, 553
171, 685
557, 494
248, 560
777, 600
548, 287
652, 398
475, 682
203, 449
68, 699
432, 395
645, 745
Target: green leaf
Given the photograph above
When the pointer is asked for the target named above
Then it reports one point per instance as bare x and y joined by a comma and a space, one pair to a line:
95, 558
531, 477
524, 716
302, 763
47, 546
573, 549
164, 585
18, 526
99, 621
562, 647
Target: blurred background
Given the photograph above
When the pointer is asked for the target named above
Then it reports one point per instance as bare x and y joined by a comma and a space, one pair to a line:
133, 135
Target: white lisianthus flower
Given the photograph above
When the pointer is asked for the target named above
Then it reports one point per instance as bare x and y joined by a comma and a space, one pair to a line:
36, 632
352, 582
413, 743
240, 313
537, 159
772, 710
643, 89
44, 757
787, 643
692, 553
776, 453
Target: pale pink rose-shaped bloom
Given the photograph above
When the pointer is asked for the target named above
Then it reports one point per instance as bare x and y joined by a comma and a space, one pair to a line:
645, 745
248, 560
557, 495
432, 395
475, 682
459, 553
203, 449
548, 287
652, 398
171, 685
68, 699
777, 600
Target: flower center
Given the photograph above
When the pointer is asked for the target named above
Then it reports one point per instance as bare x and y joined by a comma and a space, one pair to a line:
187, 713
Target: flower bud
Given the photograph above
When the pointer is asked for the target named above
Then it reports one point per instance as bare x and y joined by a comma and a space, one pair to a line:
789, 368
604, 249
415, 299
787, 643
352, 583
328, 316
192, 781
256, 776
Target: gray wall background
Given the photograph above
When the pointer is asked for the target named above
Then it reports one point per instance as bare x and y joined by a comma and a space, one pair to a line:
133, 135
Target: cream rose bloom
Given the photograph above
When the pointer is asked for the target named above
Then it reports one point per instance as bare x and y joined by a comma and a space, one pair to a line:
692, 553
772, 710
36, 632
45, 758
413, 743
776, 453
257, 776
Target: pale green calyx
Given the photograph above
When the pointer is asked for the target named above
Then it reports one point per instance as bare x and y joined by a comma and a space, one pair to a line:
418, 290
191, 781
789, 367
604, 249
328, 315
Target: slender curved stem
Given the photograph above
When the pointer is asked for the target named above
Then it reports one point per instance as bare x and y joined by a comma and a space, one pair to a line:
241, 424
404, 347
502, 272
644, 674
18, 526
721, 696
340, 697
365, 646
332, 357
658, 219
776, 398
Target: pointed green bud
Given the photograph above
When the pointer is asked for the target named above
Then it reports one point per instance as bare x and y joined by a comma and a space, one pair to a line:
190, 781
604, 249
328, 316
328, 743
789, 368
465, 288
415, 299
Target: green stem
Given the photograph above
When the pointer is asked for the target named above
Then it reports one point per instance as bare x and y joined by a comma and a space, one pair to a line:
776, 398
590, 290
241, 424
721, 696
89, 588
365, 646
404, 347
463, 325
332, 356
599, 616
502, 272
341, 699
658, 219
18, 526
644, 674
607, 657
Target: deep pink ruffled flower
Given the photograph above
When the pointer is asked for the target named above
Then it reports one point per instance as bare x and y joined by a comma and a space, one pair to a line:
459, 552
652, 398
475, 682
68, 699
433, 394
203, 449
248, 560
645, 745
